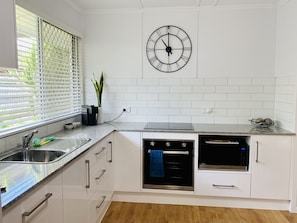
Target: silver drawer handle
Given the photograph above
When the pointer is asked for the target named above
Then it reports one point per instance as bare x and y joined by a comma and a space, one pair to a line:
101, 151
101, 175
88, 173
28, 213
173, 152
223, 186
103, 199
257, 152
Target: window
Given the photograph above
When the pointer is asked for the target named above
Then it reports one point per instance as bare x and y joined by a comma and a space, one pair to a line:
46, 85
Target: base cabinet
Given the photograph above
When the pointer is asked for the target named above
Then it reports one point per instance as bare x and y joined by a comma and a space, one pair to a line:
271, 163
128, 161
42, 205
88, 184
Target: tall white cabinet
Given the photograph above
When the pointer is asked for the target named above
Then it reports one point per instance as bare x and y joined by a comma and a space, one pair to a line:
8, 48
270, 163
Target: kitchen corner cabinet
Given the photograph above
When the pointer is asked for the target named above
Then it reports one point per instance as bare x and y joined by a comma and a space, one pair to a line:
270, 163
127, 156
88, 184
46, 198
8, 48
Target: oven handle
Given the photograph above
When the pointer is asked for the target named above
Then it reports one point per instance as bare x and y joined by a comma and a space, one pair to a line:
173, 152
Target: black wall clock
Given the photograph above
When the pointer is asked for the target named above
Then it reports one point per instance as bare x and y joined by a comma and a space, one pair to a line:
169, 49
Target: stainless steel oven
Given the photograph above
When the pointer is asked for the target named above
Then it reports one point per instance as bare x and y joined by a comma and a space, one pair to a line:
168, 164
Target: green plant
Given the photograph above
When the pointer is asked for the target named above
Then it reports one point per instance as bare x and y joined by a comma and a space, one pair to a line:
98, 85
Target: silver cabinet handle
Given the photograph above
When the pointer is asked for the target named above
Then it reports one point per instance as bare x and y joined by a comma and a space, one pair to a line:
28, 213
101, 175
99, 205
223, 186
257, 152
173, 152
110, 142
101, 151
88, 173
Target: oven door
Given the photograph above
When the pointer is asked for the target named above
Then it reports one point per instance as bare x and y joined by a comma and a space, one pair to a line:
168, 168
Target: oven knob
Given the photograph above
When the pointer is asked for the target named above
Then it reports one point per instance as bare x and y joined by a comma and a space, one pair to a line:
167, 144
184, 144
152, 143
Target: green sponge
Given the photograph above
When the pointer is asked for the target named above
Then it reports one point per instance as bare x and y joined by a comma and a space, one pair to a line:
41, 141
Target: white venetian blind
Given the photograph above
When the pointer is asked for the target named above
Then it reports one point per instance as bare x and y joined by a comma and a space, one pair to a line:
46, 85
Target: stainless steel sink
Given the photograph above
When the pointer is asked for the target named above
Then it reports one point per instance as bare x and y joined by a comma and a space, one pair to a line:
34, 156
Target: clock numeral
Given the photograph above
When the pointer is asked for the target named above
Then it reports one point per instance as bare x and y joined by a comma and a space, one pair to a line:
153, 59
187, 48
149, 49
185, 38
178, 66
184, 58
159, 32
169, 69
152, 40
159, 66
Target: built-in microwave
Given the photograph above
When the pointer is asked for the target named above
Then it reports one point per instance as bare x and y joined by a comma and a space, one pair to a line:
223, 152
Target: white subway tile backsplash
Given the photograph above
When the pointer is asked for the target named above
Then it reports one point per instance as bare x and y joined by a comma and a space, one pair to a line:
180, 89
239, 81
169, 96
215, 97
263, 81
239, 97
192, 97
251, 89
216, 81
227, 89
204, 89
169, 111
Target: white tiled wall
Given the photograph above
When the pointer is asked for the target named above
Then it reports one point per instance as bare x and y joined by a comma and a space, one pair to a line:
285, 102
197, 100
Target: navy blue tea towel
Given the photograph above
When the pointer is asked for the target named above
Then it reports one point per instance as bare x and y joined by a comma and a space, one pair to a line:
156, 163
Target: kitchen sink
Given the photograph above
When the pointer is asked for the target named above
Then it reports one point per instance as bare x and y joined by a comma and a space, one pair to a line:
34, 156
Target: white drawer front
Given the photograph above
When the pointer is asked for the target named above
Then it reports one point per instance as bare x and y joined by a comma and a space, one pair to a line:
223, 184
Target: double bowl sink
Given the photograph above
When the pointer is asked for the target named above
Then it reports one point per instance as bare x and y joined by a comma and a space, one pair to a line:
62, 148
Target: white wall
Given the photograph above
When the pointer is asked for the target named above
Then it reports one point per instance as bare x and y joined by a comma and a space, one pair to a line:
231, 73
286, 66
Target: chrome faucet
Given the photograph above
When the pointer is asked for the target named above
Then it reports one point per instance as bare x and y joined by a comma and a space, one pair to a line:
27, 138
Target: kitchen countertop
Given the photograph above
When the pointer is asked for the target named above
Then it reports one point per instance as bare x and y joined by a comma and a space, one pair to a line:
22, 178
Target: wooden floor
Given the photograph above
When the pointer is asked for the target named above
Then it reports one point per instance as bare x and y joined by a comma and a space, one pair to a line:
122, 212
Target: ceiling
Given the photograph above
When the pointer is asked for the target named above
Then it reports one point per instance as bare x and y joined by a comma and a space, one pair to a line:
87, 5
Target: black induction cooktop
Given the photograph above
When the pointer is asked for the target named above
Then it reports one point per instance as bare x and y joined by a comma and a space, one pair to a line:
169, 126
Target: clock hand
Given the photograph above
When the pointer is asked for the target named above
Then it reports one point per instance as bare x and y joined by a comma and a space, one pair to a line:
168, 48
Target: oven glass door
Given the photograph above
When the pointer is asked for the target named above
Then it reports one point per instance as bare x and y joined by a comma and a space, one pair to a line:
168, 168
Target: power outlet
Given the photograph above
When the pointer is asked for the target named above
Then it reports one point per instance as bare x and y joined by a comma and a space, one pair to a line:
127, 109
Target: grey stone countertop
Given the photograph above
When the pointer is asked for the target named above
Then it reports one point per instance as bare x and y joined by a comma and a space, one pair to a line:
20, 178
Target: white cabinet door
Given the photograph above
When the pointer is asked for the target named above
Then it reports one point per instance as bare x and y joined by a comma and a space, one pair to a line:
127, 161
77, 190
8, 55
88, 184
42, 205
270, 163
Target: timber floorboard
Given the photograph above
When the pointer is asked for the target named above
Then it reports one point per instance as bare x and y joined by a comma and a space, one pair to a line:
125, 212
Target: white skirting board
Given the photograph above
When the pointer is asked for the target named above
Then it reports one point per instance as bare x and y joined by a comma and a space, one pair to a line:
159, 198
